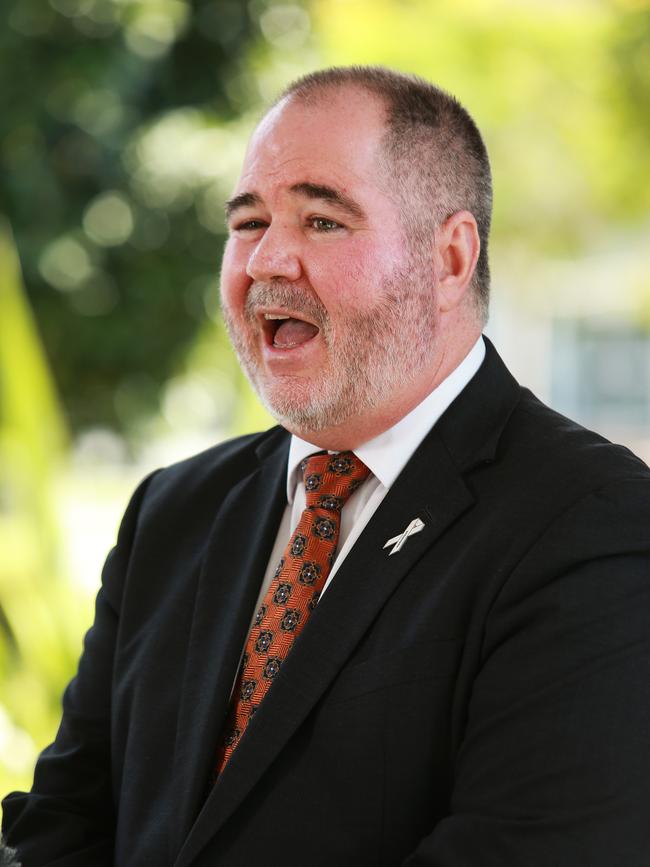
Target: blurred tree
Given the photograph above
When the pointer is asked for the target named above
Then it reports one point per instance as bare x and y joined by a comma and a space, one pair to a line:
116, 152
37, 645
120, 134
121, 130
100, 99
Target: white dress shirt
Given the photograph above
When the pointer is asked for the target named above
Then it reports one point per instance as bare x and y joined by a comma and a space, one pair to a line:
385, 456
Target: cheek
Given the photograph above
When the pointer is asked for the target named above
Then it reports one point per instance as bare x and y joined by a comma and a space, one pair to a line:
350, 276
234, 280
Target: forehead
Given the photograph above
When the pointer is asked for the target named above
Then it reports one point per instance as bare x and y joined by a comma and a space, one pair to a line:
334, 139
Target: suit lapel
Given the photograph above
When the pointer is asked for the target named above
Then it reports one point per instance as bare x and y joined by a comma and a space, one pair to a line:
236, 557
431, 487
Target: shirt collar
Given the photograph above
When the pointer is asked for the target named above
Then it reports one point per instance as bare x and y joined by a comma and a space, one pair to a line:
386, 454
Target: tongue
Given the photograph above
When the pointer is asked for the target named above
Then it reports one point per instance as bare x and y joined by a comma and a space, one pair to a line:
292, 332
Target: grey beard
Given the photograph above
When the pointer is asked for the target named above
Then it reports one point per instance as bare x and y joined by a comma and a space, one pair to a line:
370, 358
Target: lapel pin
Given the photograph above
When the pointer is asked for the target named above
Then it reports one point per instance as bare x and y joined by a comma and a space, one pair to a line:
398, 541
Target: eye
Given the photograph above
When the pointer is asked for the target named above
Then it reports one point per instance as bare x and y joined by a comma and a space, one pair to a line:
249, 226
324, 224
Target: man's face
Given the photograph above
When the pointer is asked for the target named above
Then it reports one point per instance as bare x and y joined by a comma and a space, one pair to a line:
331, 315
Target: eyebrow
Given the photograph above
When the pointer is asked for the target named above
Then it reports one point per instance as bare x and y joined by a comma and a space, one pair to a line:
308, 191
329, 194
243, 200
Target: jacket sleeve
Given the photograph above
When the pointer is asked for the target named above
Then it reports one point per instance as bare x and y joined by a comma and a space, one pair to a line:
554, 765
68, 818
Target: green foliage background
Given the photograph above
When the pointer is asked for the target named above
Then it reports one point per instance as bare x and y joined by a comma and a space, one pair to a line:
122, 126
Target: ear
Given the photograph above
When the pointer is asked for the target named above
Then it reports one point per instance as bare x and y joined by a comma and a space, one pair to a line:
457, 247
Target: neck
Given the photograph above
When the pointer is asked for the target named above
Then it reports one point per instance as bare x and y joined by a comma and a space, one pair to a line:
357, 430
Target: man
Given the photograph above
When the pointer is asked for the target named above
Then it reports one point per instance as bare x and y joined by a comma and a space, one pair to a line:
410, 625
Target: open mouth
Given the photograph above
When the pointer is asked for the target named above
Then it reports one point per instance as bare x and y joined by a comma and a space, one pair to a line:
283, 331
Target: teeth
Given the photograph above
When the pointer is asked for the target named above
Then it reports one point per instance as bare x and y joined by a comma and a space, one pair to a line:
275, 316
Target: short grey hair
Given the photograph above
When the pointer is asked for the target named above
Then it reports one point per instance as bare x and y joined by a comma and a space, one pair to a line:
436, 157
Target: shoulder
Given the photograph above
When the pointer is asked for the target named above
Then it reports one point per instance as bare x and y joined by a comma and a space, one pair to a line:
205, 478
575, 512
222, 464
562, 454
569, 493
544, 470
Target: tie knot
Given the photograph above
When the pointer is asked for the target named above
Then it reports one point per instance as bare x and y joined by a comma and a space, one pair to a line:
330, 479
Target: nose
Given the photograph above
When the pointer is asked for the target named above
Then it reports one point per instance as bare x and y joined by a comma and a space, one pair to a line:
276, 255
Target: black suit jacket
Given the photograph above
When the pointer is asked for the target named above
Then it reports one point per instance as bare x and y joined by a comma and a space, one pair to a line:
479, 699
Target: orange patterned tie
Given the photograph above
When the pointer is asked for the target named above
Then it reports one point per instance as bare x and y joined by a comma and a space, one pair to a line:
329, 480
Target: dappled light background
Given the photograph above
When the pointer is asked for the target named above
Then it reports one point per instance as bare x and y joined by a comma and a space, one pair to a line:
122, 128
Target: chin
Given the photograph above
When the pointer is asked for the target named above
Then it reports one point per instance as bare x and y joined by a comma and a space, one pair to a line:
305, 415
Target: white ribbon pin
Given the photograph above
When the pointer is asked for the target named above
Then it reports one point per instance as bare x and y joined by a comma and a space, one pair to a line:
398, 541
